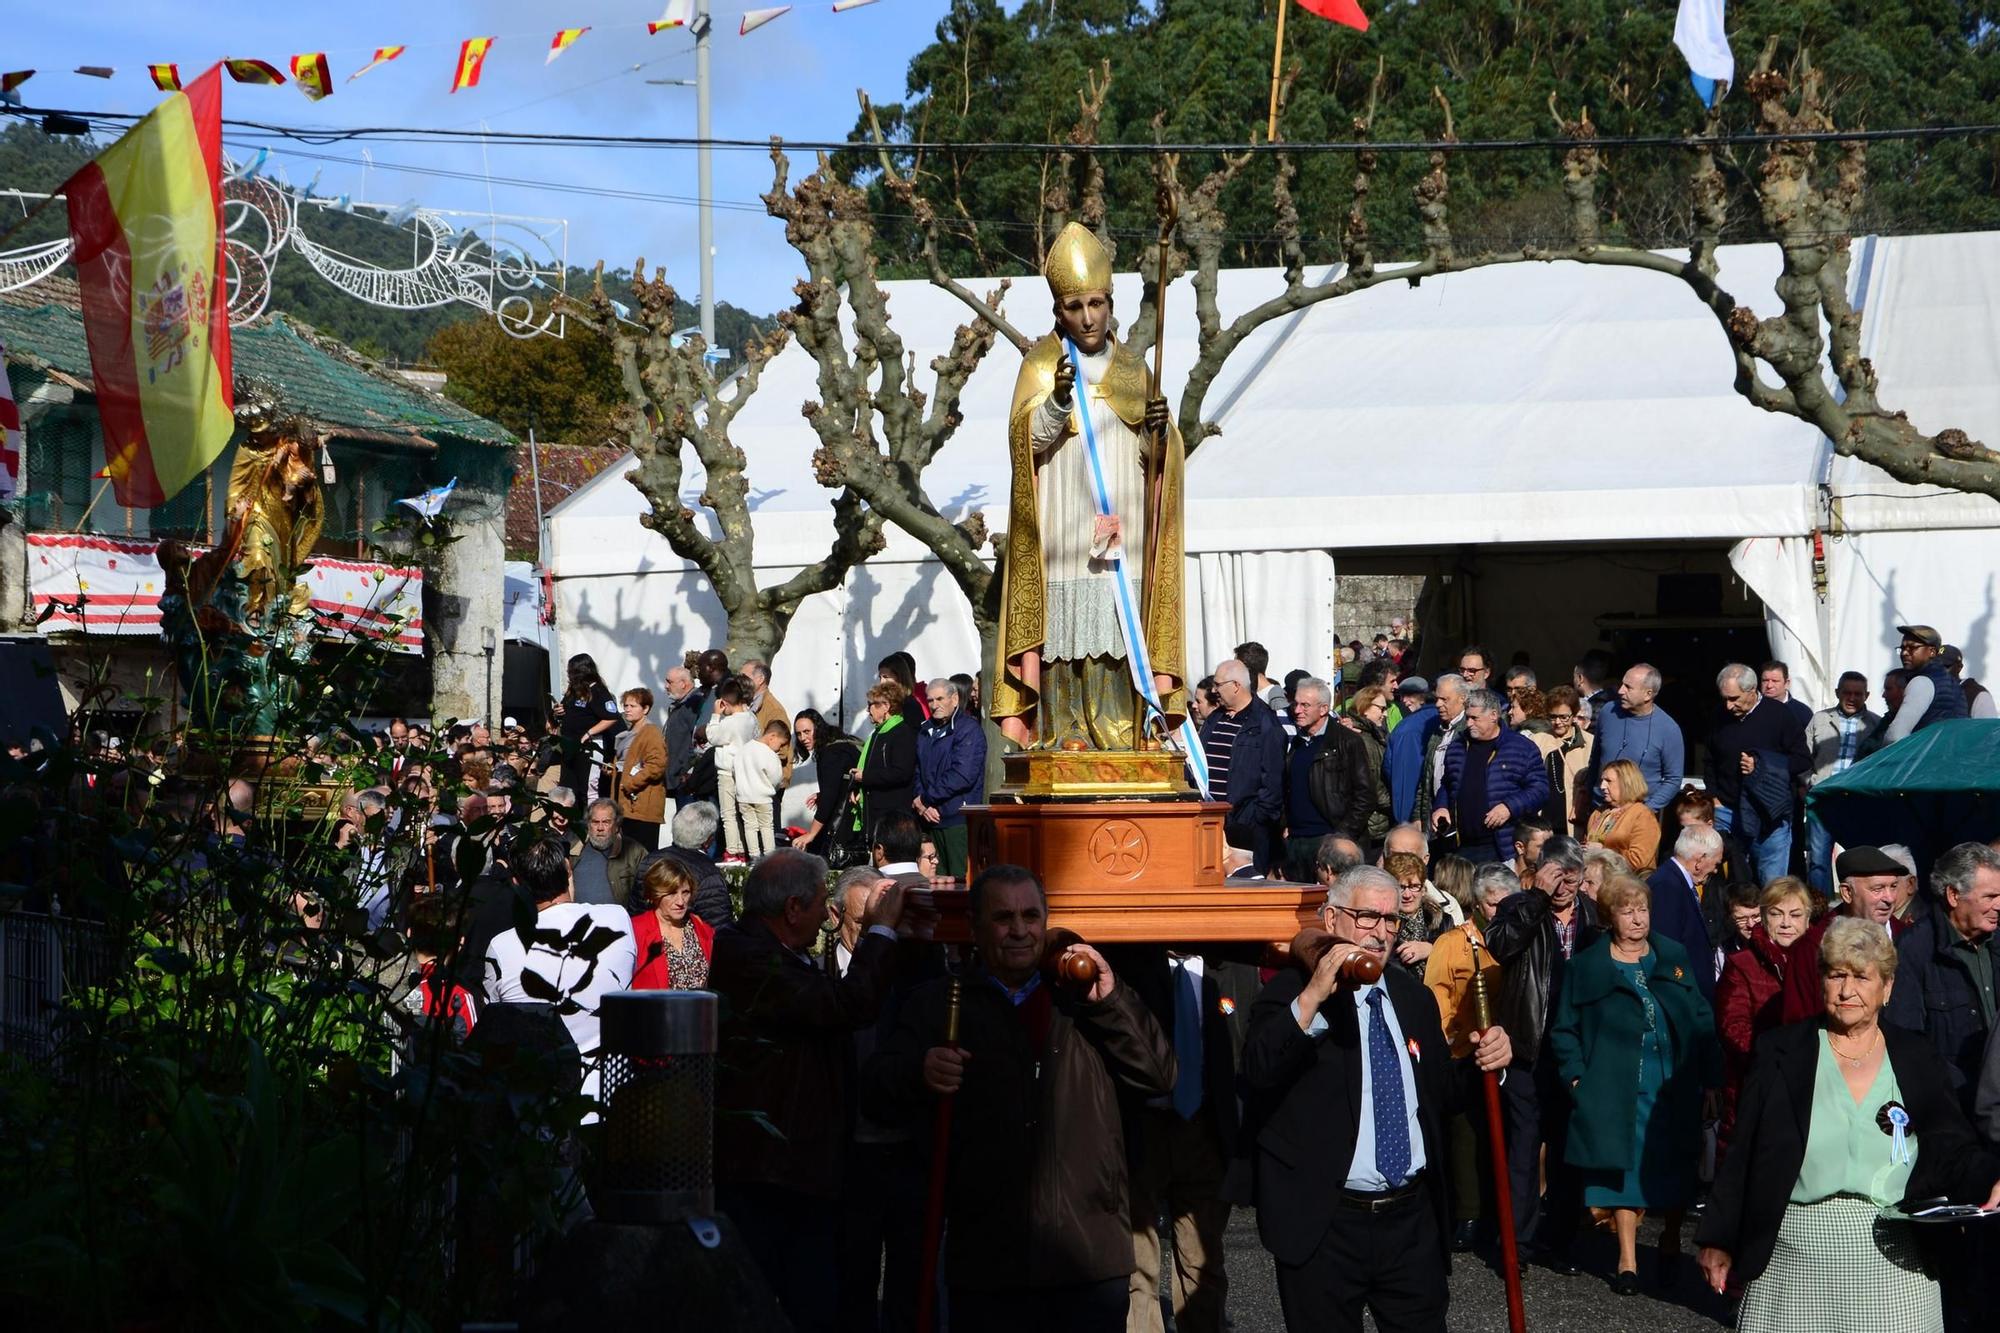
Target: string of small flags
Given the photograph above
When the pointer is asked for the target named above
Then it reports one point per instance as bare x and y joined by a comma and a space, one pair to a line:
312, 74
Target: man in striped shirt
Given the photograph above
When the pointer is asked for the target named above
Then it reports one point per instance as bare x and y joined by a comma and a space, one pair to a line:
1246, 764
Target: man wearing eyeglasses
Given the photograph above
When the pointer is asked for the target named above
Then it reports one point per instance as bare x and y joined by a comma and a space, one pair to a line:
1355, 1084
1492, 778
1533, 936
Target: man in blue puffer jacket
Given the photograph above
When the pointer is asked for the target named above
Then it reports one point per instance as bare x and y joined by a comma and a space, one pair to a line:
1492, 777
951, 770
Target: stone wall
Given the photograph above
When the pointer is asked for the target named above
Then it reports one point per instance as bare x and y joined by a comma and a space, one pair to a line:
469, 609
1364, 604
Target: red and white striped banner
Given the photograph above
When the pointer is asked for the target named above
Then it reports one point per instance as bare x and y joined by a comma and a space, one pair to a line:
102, 585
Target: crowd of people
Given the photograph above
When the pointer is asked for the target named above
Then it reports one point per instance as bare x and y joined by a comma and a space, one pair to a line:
1684, 1023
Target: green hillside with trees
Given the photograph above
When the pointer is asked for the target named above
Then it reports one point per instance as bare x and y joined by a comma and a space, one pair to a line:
1204, 70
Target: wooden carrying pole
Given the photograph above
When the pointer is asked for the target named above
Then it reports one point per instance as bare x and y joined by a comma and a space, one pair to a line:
1503, 1199
927, 1267
1277, 60
1156, 467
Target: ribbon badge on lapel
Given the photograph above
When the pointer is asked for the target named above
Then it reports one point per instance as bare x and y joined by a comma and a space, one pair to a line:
1894, 1121
1415, 1054
1227, 1005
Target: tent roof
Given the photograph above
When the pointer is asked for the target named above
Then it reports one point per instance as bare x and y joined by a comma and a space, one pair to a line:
1930, 310
1961, 756
1929, 791
1523, 403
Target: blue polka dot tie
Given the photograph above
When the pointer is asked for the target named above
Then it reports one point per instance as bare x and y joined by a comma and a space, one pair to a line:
1392, 1112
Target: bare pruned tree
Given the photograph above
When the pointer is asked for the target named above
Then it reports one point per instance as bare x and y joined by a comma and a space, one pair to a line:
1808, 208
675, 404
878, 428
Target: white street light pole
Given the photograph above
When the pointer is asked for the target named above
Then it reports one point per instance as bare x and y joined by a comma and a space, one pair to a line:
704, 170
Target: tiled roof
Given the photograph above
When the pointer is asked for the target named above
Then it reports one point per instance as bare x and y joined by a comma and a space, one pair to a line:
310, 374
564, 467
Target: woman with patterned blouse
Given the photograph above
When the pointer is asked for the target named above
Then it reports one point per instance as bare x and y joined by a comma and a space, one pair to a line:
674, 943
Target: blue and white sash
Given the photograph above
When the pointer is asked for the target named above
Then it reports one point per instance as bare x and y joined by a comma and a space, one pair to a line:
1136, 657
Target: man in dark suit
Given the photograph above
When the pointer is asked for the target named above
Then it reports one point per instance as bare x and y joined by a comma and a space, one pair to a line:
790, 1028
1353, 1085
1183, 1145
1677, 910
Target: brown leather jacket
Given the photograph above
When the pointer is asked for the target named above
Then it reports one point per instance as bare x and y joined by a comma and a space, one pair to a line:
1038, 1191
642, 790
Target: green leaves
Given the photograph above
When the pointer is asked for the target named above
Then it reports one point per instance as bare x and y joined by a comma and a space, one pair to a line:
1205, 71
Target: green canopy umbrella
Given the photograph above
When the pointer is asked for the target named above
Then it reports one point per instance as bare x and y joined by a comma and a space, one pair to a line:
1929, 791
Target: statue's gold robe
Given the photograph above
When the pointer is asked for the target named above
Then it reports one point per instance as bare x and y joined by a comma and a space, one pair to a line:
1052, 611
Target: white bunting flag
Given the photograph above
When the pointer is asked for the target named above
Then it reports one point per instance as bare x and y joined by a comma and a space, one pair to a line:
757, 18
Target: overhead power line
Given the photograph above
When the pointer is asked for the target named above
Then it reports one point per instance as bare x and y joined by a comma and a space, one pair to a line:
324, 135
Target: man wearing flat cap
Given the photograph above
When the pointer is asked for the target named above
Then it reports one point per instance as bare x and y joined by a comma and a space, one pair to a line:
1870, 880
1933, 693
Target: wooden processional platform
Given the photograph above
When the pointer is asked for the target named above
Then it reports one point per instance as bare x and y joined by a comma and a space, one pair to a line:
1128, 854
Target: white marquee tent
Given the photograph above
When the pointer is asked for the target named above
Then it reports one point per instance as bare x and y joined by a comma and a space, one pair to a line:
1562, 406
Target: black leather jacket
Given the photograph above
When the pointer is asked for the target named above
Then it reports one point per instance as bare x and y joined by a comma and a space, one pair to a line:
1522, 939
1337, 782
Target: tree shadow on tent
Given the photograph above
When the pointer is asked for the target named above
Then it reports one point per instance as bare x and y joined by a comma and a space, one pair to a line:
678, 615
878, 623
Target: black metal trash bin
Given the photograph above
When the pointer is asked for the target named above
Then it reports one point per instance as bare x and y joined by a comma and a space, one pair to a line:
657, 1082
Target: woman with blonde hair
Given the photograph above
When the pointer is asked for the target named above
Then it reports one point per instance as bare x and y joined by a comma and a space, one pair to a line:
1600, 866
1845, 1122
1625, 825
1635, 1042
1749, 996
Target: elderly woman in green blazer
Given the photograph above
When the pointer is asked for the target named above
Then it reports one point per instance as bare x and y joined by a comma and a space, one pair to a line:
1635, 1041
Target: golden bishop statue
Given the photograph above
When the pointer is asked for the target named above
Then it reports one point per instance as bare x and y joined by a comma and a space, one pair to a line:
1062, 677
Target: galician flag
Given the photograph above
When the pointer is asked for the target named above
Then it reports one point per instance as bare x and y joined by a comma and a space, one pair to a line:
146, 221
431, 503
1698, 32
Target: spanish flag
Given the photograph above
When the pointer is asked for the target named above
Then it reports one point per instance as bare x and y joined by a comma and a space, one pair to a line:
471, 59
564, 39
383, 55
167, 78
145, 219
310, 73
253, 71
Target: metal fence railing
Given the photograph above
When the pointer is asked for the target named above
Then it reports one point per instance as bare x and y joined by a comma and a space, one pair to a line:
43, 960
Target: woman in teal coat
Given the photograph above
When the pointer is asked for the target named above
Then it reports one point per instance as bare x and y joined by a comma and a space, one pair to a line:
1635, 1041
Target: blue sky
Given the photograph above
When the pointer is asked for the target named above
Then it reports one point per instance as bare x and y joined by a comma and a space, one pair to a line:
795, 77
